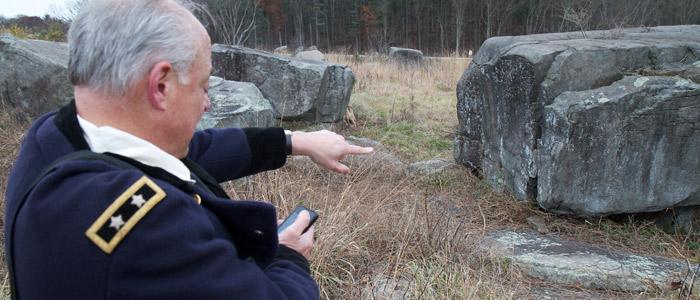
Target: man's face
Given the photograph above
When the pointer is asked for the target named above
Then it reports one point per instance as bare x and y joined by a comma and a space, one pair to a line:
191, 99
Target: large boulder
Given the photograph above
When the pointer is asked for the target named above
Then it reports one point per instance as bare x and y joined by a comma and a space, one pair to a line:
33, 75
406, 55
515, 83
633, 146
298, 89
236, 104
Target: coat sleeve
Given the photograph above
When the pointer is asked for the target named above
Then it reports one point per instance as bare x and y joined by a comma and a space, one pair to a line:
174, 253
231, 153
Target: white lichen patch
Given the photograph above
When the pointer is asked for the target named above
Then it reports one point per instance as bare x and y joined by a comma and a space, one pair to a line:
682, 83
515, 239
603, 100
641, 81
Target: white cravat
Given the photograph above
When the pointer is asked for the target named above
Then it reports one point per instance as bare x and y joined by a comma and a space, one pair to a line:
108, 139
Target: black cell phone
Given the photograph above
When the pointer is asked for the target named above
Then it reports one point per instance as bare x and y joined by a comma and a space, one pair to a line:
293, 216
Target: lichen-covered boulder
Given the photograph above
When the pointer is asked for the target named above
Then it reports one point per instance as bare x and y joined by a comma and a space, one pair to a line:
236, 104
33, 75
633, 146
504, 93
297, 89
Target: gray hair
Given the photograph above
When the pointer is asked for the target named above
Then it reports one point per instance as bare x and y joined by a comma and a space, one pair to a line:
113, 44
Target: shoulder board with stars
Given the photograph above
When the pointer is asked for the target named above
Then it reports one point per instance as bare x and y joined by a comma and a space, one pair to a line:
123, 214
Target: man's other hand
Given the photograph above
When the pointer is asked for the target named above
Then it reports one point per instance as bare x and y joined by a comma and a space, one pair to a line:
326, 148
293, 238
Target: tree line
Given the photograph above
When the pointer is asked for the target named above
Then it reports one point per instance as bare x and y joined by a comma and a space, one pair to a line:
434, 26
437, 27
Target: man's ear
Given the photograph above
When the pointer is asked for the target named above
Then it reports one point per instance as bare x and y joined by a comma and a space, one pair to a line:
160, 80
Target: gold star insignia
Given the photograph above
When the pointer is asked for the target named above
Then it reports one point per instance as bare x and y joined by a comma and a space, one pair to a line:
123, 214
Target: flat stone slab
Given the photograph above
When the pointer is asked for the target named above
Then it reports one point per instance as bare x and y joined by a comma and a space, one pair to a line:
428, 167
380, 156
573, 263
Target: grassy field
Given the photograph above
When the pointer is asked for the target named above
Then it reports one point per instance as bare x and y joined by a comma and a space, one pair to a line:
383, 234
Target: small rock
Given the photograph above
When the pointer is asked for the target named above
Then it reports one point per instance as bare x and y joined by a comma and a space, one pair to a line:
428, 167
567, 262
386, 288
538, 223
381, 155
406, 55
310, 55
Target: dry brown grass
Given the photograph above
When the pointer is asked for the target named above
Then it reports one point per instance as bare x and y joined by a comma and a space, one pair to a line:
379, 224
11, 132
408, 108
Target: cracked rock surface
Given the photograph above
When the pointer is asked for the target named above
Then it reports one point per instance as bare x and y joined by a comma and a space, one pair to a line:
533, 122
566, 262
298, 89
236, 104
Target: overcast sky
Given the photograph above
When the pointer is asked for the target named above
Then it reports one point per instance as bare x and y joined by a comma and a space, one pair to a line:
11, 8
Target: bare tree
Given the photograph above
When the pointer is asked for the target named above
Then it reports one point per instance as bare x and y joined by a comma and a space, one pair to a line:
579, 15
459, 6
231, 22
296, 7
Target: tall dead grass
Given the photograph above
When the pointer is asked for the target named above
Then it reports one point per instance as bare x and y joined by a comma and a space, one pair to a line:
384, 234
387, 91
12, 131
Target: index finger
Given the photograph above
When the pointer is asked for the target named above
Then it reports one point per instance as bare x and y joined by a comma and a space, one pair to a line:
353, 149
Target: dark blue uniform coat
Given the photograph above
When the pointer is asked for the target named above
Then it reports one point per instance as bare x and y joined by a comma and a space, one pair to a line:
92, 230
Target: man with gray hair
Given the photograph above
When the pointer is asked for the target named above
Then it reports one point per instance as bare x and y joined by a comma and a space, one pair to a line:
115, 196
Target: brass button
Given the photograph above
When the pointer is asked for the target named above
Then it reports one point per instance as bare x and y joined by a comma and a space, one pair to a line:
197, 199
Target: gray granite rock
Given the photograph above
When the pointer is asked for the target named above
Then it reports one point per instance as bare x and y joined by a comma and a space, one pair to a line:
33, 75
428, 167
310, 55
406, 55
573, 263
236, 104
503, 94
381, 155
298, 89
386, 288
629, 147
